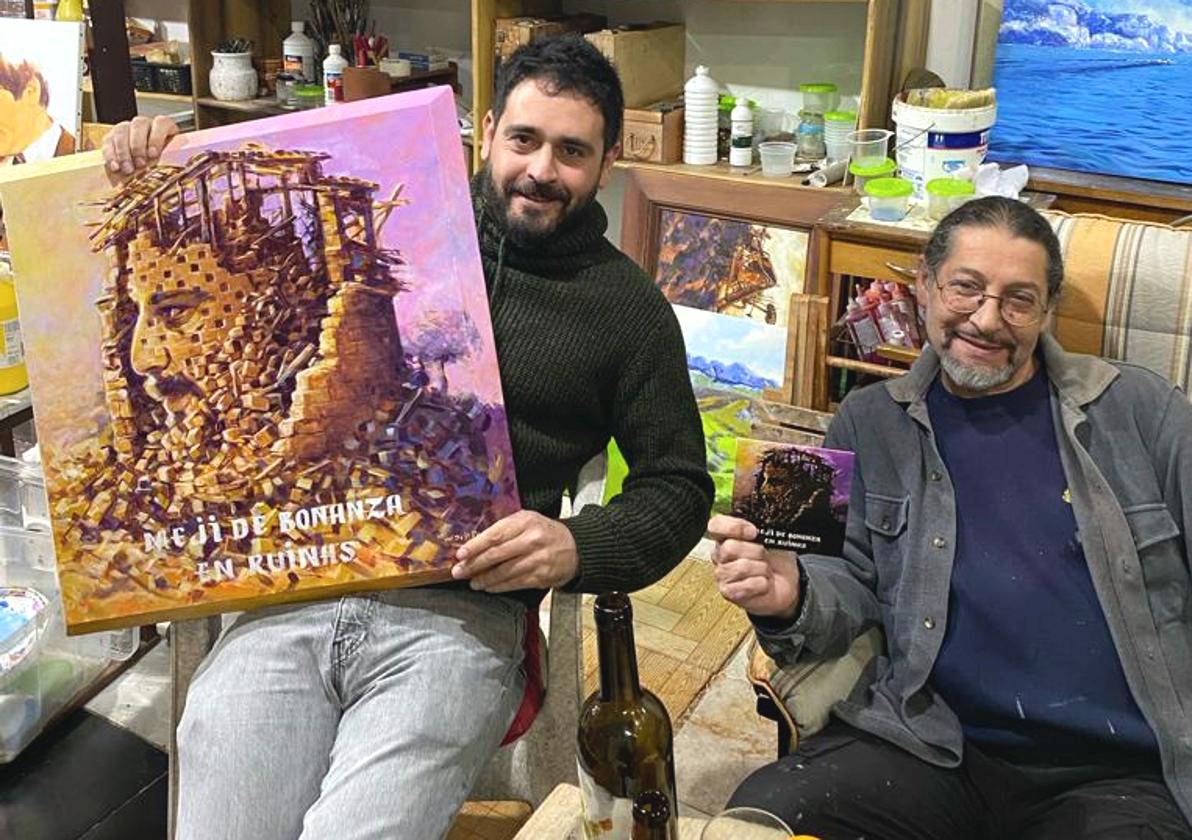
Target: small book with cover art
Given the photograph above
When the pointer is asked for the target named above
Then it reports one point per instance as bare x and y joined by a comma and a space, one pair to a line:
797, 496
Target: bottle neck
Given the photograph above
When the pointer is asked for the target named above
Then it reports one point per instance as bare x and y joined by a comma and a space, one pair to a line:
618, 660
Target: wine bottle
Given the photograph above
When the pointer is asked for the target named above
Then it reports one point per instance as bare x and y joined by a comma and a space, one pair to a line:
651, 816
625, 744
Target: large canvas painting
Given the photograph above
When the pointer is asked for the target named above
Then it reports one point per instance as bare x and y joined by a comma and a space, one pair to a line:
41, 64
264, 369
730, 266
1099, 86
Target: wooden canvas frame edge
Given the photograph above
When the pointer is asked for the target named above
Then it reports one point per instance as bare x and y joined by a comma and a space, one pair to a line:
649, 191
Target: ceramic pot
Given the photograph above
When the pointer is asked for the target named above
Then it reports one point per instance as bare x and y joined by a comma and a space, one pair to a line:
233, 78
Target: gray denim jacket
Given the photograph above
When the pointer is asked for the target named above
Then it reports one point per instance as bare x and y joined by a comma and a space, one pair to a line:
1125, 439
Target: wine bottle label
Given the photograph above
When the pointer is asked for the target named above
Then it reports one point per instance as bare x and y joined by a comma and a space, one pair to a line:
605, 816
13, 351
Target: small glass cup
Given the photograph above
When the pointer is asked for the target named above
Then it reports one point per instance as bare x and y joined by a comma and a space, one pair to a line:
746, 824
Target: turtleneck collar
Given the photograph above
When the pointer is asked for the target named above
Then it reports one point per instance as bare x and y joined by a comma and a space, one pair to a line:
561, 253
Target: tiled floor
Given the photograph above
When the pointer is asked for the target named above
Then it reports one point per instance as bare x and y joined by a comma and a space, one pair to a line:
691, 652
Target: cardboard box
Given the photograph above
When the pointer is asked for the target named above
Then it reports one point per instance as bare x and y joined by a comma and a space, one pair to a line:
648, 57
654, 133
516, 32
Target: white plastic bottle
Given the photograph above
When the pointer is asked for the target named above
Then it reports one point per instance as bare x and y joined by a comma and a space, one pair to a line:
298, 52
740, 150
333, 74
701, 98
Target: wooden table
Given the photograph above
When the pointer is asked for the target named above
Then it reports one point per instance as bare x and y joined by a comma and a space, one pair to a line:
557, 818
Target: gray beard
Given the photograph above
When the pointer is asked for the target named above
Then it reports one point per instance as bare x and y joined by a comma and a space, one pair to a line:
975, 377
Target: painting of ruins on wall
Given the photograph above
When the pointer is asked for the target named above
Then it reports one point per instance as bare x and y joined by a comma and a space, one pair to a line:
41, 100
264, 369
732, 267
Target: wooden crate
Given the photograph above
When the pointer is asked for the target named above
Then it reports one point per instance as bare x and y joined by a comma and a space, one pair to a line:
653, 134
649, 59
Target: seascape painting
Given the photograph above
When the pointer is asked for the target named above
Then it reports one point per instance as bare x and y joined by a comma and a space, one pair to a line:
1096, 86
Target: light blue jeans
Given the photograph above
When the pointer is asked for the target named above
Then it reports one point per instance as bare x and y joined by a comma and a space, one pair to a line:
359, 718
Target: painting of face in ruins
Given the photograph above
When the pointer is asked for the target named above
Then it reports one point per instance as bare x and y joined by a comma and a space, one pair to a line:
263, 370
797, 496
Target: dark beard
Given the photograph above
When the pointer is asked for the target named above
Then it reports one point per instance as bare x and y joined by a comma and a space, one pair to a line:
518, 232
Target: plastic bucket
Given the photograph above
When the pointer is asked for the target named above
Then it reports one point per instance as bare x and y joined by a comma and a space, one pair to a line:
937, 143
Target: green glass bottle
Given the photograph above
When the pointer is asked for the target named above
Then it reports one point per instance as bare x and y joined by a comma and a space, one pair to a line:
625, 744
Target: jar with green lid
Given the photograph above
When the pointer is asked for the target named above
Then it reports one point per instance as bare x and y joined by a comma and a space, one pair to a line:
888, 198
309, 96
946, 194
819, 97
862, 174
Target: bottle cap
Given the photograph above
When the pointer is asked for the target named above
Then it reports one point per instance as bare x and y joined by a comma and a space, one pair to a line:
298, 26
335, 49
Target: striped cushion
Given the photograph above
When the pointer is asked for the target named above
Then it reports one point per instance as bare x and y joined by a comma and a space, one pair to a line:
1127, 292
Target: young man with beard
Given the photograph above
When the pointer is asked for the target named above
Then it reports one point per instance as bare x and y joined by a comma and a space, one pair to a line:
1019, 529
369, 716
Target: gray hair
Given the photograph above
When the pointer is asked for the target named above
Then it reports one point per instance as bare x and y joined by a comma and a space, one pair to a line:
1019, 220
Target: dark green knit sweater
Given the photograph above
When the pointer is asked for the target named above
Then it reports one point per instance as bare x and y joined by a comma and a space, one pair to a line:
589, 349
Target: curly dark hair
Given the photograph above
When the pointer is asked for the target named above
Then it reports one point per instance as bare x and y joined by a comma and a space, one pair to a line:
566, 64
1021, 221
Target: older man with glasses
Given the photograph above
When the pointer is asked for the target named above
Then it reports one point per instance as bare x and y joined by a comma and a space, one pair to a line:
1019, 529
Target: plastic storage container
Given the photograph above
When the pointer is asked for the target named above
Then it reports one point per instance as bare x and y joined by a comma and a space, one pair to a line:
778, 158
888, 198
863, 174
946, 194
838, 125
41, 669
819, 98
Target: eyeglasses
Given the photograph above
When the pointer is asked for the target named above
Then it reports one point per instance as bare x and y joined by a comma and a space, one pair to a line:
1020, 308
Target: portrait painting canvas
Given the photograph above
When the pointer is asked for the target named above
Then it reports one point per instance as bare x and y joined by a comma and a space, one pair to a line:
41, 99
262, 370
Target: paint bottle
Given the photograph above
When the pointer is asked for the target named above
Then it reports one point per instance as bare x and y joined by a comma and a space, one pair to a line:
333, 75
904, 307
740, 152
890, 325
298, 52
13, 376
863, 329
71, 10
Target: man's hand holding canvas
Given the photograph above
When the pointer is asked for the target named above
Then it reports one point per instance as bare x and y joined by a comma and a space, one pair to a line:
524, 551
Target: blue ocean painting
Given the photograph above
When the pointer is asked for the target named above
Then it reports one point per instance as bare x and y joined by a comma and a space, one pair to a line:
1098, 86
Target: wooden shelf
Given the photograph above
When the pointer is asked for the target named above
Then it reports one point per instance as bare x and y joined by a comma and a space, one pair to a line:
181, 99
736, 175
845, 363
266, 106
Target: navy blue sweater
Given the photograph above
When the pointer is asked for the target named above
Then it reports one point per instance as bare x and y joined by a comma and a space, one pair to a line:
1027, 662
